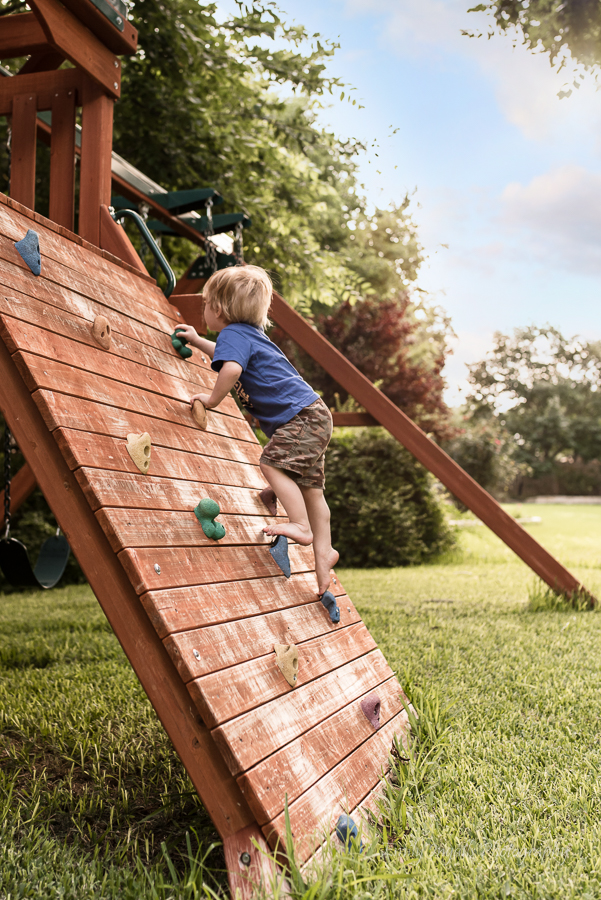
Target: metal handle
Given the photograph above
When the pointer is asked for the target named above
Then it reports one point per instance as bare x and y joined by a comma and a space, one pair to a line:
152, 244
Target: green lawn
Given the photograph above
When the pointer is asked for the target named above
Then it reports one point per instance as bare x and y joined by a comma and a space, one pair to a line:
90, 787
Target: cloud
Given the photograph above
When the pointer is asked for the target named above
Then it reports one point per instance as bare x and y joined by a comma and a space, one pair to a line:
560, 213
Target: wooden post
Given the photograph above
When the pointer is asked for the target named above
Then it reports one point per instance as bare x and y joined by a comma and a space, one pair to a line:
23, 147
95, 170
62, 159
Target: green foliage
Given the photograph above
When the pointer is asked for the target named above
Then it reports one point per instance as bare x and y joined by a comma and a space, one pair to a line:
384, 512
484, 449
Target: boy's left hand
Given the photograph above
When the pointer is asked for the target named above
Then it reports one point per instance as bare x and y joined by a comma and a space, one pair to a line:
205, 399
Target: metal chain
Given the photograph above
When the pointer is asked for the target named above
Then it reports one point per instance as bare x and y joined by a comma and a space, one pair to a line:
7, 452
9, 140
238, 245
210, 248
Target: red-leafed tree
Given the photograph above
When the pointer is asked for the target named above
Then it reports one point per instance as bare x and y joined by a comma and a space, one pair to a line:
386, 343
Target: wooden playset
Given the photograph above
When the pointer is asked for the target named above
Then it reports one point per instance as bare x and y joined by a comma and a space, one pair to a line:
268, 701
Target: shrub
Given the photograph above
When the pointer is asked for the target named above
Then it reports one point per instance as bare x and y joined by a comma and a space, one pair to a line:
384, 512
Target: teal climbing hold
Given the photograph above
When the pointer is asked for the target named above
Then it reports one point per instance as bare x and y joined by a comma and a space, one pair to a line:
28, 249
180, 345
205, 512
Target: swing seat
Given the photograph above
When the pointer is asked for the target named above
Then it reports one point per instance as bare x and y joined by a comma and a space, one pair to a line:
18, 571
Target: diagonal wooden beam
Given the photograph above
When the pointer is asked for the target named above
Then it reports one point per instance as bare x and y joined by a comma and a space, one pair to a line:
21, 35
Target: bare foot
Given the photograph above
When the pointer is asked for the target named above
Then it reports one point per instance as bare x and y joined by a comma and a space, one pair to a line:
270, 500
323, 564
293, 531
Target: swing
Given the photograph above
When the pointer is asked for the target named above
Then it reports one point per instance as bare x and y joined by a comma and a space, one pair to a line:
14, 559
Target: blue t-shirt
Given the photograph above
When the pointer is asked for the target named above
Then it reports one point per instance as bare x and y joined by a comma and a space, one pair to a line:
269, 387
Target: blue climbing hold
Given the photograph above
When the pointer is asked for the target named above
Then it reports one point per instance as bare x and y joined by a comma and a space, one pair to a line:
329, 601
346, 830
279, 551
29, 251
180, 345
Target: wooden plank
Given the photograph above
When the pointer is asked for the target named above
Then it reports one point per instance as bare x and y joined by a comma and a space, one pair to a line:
218, 791
45, 61
48, 374
260, 681
81, 352
346, 420
250, 865
191, 306
170, 528
95, 160
293, 769
187, 608
232, 643
71, 37
41, 86
336, 793
425, 450
62, 410
62, 158
23, 484
23, 153
147, 492
113, 238
21, 35
119, 42
246, 740
205, 565
100, 451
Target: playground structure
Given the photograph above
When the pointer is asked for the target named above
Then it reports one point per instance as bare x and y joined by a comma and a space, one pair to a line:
267, 701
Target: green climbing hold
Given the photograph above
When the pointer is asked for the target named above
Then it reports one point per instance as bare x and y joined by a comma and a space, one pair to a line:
180, 345
205, 512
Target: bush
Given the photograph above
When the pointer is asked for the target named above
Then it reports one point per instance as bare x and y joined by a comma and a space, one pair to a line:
384, 512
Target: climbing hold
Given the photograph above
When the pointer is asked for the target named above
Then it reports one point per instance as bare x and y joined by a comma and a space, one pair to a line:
329, 601
268, 497
199, 414
279, 551
29, 251
205, 512
346, 830
101, 331
180, 345
370, 706
138, 447
286, 656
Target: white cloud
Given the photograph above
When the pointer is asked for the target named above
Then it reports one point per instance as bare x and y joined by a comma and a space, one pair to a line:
560, 212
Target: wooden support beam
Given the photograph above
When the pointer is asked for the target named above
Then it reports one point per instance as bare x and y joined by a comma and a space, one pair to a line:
95, 169
22, 485
44, 61
425, 450
62, 159
23, 152
123, 42
361, 420
160, 679
21, 35
43, 85
70, 36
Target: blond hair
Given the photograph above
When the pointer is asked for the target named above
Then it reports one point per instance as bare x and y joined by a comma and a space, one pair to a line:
240, 294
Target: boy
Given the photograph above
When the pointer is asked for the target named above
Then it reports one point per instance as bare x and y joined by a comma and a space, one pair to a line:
294, 418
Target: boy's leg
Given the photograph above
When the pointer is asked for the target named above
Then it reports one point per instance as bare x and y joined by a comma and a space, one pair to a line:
293, 501
319, 519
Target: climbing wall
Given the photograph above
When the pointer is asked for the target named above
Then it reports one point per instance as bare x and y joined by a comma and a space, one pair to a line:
217, 608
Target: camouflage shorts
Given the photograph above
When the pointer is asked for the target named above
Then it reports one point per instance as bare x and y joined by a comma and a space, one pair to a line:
299, 447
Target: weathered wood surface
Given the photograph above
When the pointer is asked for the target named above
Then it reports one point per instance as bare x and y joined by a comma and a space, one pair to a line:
343, 788
294, 768
221, 646
187, 608
249, 738
205, 565
23, 156
260, 680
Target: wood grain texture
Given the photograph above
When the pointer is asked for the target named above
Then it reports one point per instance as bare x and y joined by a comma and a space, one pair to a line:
62, 158
119, 42
114, 238
260, 681
342, 789
232, 643
205, 565
42, 87
21, 35
246, 740
245, 879
191, 306
23, 154
65, 411
293, 769
188, 608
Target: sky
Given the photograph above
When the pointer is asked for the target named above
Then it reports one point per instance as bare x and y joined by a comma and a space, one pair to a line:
505, 177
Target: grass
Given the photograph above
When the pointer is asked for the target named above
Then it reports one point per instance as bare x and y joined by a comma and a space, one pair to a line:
499, 798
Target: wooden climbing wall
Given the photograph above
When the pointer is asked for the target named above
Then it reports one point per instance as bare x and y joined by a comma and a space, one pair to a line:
197, 619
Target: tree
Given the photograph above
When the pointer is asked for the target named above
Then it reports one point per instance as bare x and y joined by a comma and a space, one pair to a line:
543, 389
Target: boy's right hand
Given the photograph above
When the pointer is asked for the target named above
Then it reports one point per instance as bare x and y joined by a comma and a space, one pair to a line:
188, 333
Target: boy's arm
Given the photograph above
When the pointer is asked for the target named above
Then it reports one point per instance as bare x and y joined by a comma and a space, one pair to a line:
191, 335
228, 376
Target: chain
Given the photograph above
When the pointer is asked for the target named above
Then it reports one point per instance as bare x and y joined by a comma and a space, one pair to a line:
238, 245
210, 248
7, 452
9, 140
